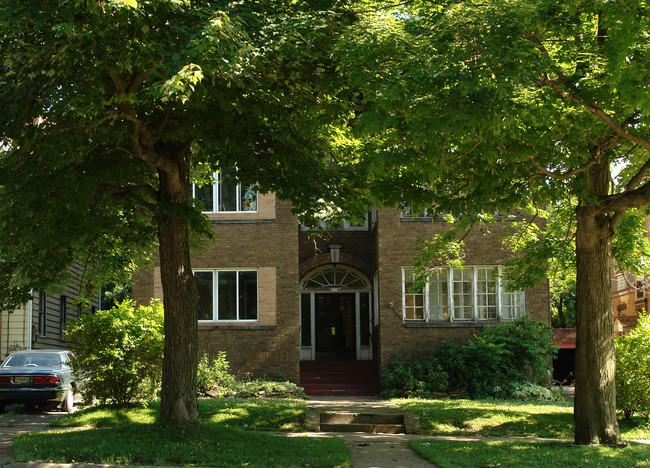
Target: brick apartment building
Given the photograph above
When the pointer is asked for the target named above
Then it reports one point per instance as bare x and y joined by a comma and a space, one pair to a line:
274, 298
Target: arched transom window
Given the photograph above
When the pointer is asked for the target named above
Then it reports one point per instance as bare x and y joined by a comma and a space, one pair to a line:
335, 276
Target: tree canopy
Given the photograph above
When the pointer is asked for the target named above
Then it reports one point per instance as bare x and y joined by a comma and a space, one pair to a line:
111, 108
467, 108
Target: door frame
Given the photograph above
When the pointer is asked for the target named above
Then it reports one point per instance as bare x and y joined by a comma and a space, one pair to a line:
367, 353
309, 353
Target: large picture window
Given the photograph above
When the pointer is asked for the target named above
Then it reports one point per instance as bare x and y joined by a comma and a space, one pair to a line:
467, 294
227, 295
225, 197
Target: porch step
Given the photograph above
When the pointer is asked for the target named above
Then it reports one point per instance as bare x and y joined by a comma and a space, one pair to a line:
340, 378
373, 423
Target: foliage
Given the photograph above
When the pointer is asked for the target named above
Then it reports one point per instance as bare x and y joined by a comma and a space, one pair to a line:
213, 373
535, 392
414, 376
633, 369
470, 108
119, 352
527, 346
499, 363
264, 388
110, 108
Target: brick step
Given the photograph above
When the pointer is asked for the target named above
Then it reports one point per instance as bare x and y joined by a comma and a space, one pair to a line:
340, 378
307, 365
341, 392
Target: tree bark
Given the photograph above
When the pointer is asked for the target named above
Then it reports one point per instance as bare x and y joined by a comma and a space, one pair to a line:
178, 395
595, 397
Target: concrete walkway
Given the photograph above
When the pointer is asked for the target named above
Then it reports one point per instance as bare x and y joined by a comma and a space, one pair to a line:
20, 423
369, 450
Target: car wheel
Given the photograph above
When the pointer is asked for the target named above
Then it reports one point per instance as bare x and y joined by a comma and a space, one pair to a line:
68, 401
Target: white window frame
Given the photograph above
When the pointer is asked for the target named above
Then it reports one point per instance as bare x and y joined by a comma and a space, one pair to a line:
216, 196
215, 294
518, 297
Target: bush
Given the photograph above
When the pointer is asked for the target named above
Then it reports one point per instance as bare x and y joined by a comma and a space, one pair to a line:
414, 376
489, 366
119, 352
633, 369
213, 374
533, 391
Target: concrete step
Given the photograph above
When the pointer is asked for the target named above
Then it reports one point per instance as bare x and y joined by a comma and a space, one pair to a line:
373, 423
361, 418
369, 428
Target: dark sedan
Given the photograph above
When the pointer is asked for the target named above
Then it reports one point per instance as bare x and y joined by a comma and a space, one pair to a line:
37, 377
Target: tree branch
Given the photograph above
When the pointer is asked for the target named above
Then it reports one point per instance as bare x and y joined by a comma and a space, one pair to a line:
601, 114
625, 200
566, 175
638, 177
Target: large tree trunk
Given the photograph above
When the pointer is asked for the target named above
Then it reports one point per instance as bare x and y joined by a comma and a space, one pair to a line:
595, 397
178, 396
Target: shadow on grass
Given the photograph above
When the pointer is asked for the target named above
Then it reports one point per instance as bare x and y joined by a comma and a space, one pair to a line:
517, 453
202, 445
494, 418
260, 414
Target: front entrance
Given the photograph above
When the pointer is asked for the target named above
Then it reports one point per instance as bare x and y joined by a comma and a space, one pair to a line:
335, 315
335, 327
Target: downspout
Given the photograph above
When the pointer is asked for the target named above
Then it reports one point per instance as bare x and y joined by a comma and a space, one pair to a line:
30, 318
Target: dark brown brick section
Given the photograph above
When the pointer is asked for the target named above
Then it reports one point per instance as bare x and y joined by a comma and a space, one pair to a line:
396, 248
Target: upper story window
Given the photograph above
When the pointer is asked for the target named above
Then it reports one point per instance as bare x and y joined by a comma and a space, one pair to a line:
369, 221
225, 197
467, 294
227, 295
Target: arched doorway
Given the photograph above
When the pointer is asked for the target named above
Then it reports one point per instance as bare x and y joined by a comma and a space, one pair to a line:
335, 315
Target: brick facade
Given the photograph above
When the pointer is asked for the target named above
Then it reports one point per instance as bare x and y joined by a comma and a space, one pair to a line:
395, 249
272, 242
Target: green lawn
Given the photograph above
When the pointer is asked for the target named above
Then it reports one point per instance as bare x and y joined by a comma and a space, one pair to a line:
516, 419
227, 435
505, 418
529, 453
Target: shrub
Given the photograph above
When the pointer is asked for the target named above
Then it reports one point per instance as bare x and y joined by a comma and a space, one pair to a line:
488, 366
633, 369
413, 375
528, 348
533, 391
119, 352
215, 373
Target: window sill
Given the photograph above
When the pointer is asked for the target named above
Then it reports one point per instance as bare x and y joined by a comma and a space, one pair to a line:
444, 324
226, 220
238, 326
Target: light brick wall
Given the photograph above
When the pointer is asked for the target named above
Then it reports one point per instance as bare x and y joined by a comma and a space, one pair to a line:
269, 346
396, 249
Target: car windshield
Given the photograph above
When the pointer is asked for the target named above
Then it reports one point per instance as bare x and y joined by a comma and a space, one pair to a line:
33, 360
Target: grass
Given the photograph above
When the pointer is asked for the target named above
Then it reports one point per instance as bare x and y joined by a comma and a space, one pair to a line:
503, 418
498, 418
223, 437
529, 453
